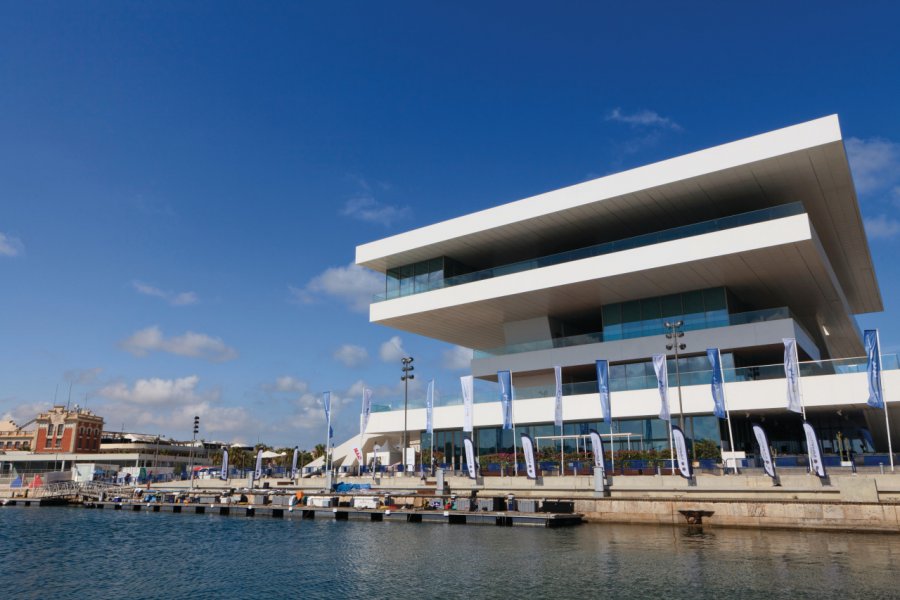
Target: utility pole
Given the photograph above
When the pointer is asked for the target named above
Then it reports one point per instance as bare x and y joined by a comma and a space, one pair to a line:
407, 369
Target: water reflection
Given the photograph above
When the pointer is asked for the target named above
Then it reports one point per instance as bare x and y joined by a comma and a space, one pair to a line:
159, 555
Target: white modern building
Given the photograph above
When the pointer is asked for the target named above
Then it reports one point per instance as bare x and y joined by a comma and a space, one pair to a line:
745, 243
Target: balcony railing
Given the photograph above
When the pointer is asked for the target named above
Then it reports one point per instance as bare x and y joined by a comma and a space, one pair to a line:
647, 239
692, 322
486, 391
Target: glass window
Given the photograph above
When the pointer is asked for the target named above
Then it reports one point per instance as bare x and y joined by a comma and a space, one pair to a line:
406, 279
392, 284
692, 302
714, 299
421, 277
670, 306
631, 311
59, 430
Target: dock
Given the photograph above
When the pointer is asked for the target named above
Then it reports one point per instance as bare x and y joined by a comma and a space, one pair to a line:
402, 515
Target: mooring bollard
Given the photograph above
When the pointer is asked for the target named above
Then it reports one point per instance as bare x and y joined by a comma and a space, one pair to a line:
881, 466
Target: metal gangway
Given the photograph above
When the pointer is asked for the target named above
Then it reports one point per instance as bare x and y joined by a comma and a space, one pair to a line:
95, 490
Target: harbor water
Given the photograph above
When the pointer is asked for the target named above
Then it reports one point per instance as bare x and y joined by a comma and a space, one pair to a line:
78, 553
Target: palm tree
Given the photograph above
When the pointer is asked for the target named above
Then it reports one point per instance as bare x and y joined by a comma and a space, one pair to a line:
318, 451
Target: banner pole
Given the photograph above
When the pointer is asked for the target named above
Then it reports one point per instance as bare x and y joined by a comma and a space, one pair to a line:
727, 415
671, 445
802, 403
887, 422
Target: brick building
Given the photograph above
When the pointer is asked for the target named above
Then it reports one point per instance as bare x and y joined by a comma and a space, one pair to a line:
61, 430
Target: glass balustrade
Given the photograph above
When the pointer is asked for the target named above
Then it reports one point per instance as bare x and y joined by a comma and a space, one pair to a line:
692, 322
648, 239
486, 391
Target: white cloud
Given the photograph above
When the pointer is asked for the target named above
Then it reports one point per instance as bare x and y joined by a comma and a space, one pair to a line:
351, 355
196, 345
643, 118
173, 298
154, 405
457, 358
82, 376
154, 391
875, 163
366, 208
352, 284
23, 413
881, 227
286, 383
10, 246
392, 350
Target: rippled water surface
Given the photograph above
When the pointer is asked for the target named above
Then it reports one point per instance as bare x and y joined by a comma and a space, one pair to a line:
79, 553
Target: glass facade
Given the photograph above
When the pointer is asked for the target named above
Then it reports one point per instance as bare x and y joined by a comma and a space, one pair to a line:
420, 277
698, 309
631, 434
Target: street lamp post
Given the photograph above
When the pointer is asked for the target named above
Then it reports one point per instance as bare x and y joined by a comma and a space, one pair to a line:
674, 334
407, 369
193, 444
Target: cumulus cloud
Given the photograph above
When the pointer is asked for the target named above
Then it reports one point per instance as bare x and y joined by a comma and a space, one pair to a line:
457, 358
367, 208
643, 118
156, 404
196, 345
286, 383
392, 350
155, 391
10, 246
22, 413
881, 227
173, 298
352, 284
351, 355
875, 164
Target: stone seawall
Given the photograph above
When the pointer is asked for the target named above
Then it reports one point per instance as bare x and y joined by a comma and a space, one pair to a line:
821, 515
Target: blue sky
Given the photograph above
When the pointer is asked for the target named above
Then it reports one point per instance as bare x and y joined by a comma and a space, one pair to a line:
182, 185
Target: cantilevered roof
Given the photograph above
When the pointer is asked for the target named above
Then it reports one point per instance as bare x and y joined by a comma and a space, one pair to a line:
804, 162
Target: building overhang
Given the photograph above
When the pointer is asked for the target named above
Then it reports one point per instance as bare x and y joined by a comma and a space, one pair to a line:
773, 263
805, 162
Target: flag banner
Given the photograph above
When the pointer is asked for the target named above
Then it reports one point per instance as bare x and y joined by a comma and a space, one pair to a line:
528, 451
557, 412
330, 432
597, 446
603, 388
812, 447
358, 454
224, 474
326, 402
662, 381
764, 453
873, 368
504, 378
429, 408
366, 411
792, 374
294, 463
718, 381
684, 465
470, 458
468, 392
257, 473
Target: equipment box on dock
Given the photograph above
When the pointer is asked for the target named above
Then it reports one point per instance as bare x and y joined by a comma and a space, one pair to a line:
322, 501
